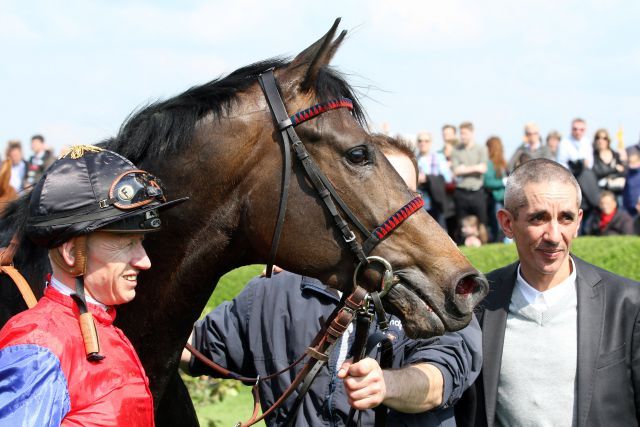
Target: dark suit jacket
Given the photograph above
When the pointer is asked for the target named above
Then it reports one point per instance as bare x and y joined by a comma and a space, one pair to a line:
608, 374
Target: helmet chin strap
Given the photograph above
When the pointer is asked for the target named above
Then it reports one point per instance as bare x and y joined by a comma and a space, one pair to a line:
77, 270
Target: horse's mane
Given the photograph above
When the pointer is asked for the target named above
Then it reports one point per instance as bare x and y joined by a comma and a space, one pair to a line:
164, 127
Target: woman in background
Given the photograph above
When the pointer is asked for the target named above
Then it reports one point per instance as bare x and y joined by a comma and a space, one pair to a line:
607, 164
494, 184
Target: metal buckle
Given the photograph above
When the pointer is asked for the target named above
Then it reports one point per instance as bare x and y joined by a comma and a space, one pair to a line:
350, 239
388, 281
104, 203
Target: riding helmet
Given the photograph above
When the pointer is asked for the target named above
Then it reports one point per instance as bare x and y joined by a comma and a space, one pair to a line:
89, 188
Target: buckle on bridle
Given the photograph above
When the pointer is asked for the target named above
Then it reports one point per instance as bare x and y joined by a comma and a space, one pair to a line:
350, 239
388, 281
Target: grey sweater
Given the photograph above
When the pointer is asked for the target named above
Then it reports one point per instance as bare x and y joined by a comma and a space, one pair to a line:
537, 384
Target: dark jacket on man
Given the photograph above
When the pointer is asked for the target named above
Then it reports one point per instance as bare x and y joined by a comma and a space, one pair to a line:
270, 324
608, 367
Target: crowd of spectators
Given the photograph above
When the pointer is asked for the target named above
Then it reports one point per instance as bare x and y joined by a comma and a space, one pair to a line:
463, 181
18, 174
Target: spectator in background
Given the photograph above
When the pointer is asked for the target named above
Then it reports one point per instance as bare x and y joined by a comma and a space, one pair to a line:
7, 193
18, 165
494, 184
433, 175
610, 220
531, 148
636, 220
473, 233
607, 164
469, 164
631, 191
39, 162
575, 152
553, 141
449, 140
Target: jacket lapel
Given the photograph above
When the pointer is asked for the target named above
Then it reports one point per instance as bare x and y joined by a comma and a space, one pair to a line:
590, 324
493, 325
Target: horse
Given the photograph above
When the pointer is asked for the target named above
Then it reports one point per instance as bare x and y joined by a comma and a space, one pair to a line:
219, 144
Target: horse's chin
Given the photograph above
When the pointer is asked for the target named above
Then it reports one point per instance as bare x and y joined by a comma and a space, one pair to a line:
420, 319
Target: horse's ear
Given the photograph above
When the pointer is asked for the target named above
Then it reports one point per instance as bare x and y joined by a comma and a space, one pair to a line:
317, 56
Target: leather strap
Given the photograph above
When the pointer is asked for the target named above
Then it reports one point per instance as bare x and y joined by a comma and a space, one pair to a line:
363, 324
270, 89
317, 354
21, 283
6, 267
308, 380
288, 133
87, 324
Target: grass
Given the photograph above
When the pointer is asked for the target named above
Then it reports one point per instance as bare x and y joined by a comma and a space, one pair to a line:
620, 255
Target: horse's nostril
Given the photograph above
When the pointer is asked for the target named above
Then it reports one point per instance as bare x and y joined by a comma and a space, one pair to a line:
467, 286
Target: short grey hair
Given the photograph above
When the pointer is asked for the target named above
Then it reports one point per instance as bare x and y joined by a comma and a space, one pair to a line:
535, 171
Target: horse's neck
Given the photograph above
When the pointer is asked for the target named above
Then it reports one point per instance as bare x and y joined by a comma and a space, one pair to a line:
171, 296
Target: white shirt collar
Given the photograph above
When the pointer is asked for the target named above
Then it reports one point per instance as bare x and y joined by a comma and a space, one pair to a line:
550, 297
65, 290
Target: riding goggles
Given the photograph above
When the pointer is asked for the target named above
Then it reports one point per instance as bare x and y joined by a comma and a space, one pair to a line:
133, 189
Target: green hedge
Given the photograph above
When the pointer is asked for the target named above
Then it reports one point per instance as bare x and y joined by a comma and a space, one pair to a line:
619, 254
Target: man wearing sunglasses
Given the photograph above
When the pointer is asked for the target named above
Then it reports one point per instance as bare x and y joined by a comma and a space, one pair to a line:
63, 362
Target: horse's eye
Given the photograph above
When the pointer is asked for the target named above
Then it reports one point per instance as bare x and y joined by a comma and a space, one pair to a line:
357, 155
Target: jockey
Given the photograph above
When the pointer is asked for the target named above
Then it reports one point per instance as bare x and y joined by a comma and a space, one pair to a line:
63, 362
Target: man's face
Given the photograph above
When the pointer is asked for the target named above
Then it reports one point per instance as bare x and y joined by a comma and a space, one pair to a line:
15, 155
113, 263
543, 231
448, 134
531, 135
466, 135
405, 167
36, 145
607, 204
424, 143
553, 143
578, 129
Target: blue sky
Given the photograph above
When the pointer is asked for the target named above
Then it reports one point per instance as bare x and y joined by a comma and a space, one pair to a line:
74, 70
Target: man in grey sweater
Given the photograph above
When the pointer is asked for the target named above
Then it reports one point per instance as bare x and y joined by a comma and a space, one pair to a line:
561, 337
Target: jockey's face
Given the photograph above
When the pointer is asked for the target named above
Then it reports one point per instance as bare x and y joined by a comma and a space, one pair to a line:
113, 263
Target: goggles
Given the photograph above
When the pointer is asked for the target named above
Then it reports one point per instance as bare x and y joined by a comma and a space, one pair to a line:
133, 189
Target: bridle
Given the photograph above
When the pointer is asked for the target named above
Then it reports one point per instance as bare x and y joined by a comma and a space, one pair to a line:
361, 305
286, 125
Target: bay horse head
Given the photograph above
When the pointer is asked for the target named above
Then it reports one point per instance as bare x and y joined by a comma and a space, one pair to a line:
230, 165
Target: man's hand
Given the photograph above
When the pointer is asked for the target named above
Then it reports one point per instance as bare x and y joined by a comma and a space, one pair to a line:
364, 383
276, 270
411, 389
